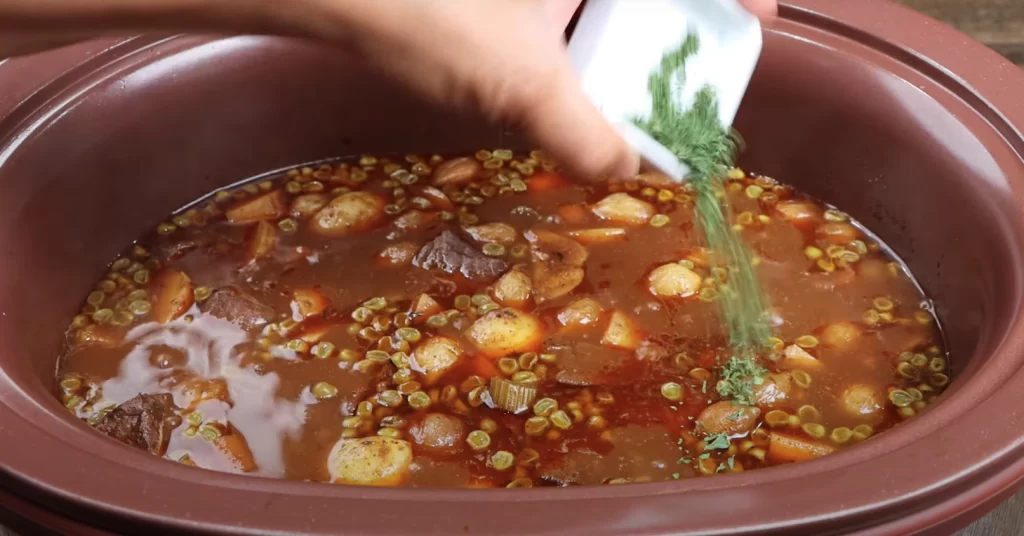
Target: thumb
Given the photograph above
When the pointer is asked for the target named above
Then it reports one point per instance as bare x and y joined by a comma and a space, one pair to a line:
564, 122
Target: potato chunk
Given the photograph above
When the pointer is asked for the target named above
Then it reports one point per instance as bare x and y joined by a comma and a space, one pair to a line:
776, 388
840, 335
424, 306
838, 233
862, 401
624, 209
582, 312
673, 281
395, 255
171, 295
797, 210
269, 206
349, 213
456, 171
499, 233
795, 357
557, 264
370, 461
728, 418
263, 240
621, 333
506, 331
513, 289
439, 433
435, 356
307, 205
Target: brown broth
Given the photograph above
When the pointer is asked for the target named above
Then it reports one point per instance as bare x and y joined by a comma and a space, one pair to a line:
188, 311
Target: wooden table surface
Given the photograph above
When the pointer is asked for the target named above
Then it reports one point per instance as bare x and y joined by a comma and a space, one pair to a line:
1000, 25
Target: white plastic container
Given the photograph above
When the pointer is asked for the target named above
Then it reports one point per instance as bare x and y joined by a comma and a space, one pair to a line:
617, 44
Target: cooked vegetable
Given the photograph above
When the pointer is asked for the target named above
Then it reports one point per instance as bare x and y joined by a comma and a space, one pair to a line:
435, 356
785, 448
263, 240
269, 206
424, 306
796, 357
171, 295
624, 209
582, 312
309, 302
674, 281
498, 233
799, 210
305, 206
841, 335
601, 235
508, 327
505, 331
370, 461
862, 400
513, 289
456, 171
621, 332
557, 264
727, 417
234, 447
395, 255
349, 213
775, 388
838, 233
510, 396
439, 433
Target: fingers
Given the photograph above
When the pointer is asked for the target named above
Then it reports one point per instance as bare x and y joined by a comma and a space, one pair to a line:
762, 8
560, 12
565, 123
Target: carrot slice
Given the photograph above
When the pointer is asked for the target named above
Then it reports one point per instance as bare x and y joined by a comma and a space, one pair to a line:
573, 214
235, 448
262, 240
424, 306
269, 206
485, 368
309, 302
545, 182
171, 294
783, 448
601, 235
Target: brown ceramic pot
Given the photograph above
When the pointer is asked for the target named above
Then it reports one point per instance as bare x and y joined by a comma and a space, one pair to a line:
908, 125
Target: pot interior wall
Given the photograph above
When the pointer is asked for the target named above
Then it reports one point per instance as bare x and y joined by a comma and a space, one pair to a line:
150, 138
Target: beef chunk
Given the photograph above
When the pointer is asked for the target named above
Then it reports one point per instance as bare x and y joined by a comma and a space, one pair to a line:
585, 363
238, 308
142, 422
452, 254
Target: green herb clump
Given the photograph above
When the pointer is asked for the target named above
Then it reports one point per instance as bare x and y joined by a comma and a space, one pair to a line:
698, 139
738, 378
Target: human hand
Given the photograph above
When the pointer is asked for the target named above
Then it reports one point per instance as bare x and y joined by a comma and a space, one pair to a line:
505, 58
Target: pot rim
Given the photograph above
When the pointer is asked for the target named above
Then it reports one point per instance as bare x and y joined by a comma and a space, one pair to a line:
984, 82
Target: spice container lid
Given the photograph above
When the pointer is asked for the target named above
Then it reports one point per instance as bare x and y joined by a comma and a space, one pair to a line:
617, 44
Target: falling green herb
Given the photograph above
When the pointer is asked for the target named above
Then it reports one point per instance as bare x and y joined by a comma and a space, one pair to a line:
716, 442
739, 376
698, 139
